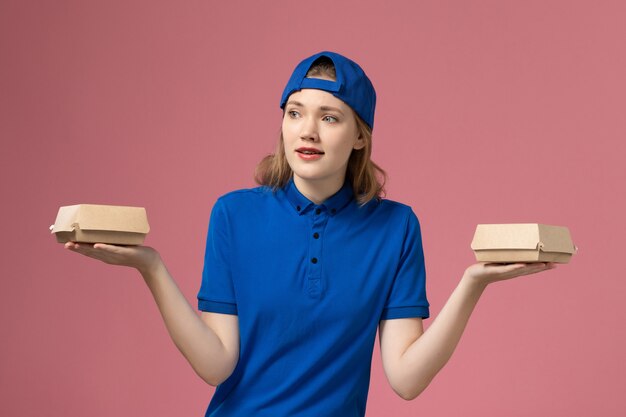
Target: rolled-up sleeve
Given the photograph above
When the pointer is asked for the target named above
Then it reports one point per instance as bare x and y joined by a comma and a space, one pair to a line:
216, 290
407, 297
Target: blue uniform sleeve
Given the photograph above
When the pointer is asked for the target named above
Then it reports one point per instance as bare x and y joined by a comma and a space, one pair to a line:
217, 292
407, 297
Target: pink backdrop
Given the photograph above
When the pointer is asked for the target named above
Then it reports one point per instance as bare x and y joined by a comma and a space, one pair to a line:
488, 111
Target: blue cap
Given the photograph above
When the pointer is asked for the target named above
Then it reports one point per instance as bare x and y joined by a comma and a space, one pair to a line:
352, 85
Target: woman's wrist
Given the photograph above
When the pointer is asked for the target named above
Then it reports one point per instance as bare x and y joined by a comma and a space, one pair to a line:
473, 282
151, 266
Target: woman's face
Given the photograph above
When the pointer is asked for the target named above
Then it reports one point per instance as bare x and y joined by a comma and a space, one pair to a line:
317, 119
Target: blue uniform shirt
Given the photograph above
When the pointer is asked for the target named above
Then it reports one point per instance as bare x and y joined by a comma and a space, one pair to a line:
309, 284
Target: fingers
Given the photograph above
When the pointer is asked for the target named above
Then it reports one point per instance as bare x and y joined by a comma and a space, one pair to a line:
533, 268
504, 268
515, 267
80, 248
131, 255
110, 248
488, 272
83, 248
499, 272
94, 246
98, 251
520, 265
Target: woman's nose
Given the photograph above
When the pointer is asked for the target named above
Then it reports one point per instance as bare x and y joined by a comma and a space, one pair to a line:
309, 129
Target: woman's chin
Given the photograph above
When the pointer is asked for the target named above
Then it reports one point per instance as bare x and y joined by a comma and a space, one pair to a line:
306, 176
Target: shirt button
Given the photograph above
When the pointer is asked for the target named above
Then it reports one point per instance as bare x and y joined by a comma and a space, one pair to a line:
333, 211
316, 235
314, 260
318, 211
298, 208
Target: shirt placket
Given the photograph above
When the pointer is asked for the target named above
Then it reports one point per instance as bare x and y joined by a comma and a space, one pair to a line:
316, 234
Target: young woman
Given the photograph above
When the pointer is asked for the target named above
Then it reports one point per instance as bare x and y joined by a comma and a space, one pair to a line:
301, 271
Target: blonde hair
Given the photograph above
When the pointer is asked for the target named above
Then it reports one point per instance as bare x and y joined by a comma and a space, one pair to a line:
367, 178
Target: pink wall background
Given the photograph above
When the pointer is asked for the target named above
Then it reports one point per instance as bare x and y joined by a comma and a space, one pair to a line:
488, 111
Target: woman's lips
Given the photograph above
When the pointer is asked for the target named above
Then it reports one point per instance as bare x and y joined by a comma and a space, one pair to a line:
309, 157
314, 155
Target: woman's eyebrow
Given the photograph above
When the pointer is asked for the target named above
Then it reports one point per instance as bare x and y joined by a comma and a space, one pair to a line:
323, 108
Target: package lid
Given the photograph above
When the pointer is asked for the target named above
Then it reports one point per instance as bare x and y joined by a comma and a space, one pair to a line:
523, 236
101, 217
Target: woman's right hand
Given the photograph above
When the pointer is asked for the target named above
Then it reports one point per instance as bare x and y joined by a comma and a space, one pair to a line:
143, 258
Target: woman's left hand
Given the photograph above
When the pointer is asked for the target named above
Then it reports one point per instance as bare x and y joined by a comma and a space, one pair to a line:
484, 273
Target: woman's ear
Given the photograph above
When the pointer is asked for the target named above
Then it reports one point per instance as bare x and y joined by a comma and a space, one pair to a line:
360, 142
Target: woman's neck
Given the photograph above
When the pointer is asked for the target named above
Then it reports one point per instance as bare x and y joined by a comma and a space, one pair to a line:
318, 190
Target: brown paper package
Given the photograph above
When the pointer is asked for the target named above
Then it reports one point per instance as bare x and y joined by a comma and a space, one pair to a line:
96, 223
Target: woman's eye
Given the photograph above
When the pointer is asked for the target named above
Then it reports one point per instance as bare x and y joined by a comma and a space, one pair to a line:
294, 114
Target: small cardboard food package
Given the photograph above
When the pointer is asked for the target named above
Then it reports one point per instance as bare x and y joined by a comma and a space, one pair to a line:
522, 242
94, 223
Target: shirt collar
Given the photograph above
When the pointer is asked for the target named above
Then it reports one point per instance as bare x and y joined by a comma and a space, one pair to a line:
333, 204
